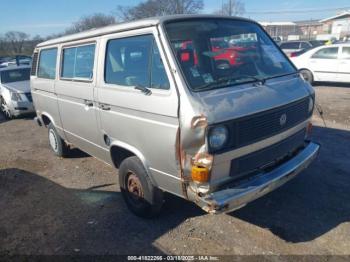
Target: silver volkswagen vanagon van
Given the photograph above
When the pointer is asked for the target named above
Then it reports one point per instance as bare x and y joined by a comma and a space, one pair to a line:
205, 107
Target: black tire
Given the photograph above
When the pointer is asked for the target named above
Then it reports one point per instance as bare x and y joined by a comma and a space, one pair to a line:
307, 75
141, 196
56, 143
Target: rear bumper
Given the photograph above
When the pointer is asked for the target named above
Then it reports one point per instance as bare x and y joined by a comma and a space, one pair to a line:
239, 195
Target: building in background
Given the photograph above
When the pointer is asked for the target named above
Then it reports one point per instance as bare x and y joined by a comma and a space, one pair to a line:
338, 25
309, 29
335, 27
283, 30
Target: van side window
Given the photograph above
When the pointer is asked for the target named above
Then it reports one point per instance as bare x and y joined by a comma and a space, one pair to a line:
78, 62
127, 61
159, 78
133, 61
47, 63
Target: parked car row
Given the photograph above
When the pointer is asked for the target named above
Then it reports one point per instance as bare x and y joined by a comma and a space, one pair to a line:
15, 94
295, 48
330, 63
15, 60
319, 60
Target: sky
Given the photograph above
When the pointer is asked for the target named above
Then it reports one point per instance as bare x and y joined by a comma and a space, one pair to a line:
45, 17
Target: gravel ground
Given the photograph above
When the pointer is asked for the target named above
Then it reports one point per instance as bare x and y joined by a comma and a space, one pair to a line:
334, 102
50, 205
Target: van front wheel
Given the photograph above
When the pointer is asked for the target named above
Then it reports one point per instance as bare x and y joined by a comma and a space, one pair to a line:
57, 145
141, 196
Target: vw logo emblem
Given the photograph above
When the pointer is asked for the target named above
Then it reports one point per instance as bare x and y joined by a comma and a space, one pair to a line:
283, 119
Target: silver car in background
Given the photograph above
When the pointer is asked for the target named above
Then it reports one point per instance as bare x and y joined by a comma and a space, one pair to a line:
158, 100
15, 94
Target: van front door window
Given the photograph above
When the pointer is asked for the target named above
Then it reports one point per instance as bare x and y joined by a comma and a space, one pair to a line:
135, 61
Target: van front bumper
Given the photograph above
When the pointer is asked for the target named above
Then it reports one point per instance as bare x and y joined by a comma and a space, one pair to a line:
21, 108
239, 195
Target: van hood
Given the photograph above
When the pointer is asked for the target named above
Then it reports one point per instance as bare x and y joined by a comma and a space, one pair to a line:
223, 104
18, 87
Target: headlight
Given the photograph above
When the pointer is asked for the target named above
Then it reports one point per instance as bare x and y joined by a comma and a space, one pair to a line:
15, 97
311, 104
218, 137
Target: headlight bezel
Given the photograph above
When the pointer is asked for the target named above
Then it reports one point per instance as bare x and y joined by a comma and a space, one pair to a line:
16, 97
218, 130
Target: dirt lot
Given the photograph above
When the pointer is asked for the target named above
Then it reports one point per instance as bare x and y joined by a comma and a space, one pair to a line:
73, 206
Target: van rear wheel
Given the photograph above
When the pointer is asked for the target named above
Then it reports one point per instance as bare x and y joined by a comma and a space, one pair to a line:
141, 196
57, 144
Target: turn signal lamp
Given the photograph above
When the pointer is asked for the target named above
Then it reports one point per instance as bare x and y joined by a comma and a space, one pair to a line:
200, 174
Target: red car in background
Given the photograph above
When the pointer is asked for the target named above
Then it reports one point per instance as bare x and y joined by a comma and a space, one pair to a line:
223, 53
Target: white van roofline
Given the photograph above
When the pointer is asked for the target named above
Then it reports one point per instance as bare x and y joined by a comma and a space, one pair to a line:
147, 22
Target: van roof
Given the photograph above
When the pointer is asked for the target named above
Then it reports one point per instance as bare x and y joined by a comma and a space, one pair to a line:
147, 22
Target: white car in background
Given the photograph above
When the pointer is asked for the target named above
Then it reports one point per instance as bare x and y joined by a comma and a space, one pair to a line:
330, 63
294, 46
15, 95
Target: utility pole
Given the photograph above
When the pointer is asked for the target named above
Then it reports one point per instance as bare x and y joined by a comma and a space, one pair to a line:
222, 7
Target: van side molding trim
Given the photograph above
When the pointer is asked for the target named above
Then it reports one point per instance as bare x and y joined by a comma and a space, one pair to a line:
166, 174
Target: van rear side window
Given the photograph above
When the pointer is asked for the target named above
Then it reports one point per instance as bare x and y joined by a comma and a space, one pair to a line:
78, 62
47, 63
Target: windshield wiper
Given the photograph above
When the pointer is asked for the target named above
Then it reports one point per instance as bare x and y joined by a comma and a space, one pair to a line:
227, 81
276, 76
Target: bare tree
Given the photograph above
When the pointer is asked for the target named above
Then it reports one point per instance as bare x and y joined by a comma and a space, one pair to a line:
3, 46
89, 22
30, 44
151, 8
185, 6
15, 39
231, 8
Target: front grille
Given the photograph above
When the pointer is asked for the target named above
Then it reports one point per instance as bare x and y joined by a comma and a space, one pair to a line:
267, 157
256, 127
29, 97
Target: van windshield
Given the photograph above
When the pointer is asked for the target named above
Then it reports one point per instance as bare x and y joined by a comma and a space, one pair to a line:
215, 53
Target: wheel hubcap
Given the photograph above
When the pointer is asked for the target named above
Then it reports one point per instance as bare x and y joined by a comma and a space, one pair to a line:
134, 188
306, 77
53, 140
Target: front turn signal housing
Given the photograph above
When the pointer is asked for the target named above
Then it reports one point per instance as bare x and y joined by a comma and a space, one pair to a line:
200, 174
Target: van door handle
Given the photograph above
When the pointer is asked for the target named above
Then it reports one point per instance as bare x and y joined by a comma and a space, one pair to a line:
89, 103
105, 107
